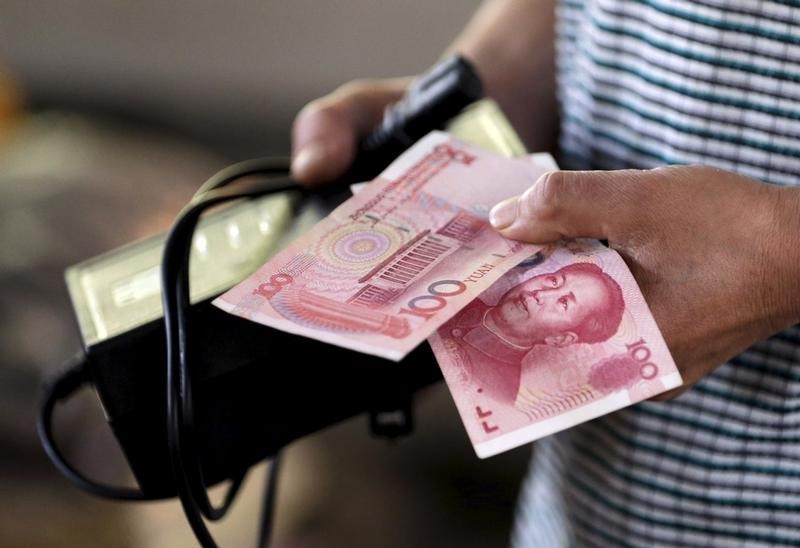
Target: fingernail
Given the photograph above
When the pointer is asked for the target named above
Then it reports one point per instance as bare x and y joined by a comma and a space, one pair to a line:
504, 213
308, 157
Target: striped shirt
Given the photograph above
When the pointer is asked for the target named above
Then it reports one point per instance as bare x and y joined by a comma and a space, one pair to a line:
644, 83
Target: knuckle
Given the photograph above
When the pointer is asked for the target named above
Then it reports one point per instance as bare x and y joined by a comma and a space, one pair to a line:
545, 199
662, 171
322, 106
311, 110
355, 88
665, 174
321, 114
336, 102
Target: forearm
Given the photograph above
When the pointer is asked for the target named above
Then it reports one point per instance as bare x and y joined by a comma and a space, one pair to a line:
511, 44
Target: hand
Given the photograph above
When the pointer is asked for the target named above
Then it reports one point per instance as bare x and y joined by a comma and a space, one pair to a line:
326, 131
715, 254
511, 46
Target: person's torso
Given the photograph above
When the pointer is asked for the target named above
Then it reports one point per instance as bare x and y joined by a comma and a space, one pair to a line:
648, 83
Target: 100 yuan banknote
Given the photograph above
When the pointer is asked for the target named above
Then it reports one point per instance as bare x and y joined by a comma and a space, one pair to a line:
562, 338
394, 262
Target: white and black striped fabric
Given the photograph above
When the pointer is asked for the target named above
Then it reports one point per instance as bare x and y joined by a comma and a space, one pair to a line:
644, 83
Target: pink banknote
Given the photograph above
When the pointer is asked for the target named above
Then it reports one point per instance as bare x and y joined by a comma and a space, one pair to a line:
383, 271
562, 338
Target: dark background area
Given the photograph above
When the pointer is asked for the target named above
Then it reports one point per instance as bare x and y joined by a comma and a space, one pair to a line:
111, 114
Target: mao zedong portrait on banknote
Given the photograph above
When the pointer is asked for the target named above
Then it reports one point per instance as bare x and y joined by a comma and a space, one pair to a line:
562, 338
577, 303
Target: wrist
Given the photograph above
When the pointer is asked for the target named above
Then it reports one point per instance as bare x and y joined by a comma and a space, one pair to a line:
511, 45
783, 248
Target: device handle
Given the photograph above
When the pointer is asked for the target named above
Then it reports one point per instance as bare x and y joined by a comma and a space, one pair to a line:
430, 102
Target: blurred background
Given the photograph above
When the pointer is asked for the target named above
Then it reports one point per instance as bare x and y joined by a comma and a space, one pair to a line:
111, 114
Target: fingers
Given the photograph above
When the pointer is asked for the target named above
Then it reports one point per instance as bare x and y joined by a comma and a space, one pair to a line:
573, 204
323, 142
326, 131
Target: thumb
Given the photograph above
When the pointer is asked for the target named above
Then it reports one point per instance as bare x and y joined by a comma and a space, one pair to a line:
568, 204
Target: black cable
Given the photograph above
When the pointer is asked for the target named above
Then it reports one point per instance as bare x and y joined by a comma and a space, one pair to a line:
69, 382
64, 386
175, 297
180, 410
257, 166
268, 504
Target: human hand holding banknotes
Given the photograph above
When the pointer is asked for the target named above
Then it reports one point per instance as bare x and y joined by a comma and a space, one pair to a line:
535, 338
706, 247
531, 339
